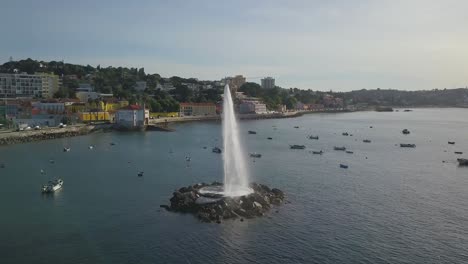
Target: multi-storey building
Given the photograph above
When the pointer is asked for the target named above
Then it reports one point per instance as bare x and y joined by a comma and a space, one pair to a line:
268, 83
39, 85
197, 109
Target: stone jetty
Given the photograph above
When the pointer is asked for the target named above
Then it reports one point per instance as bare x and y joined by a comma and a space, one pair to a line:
213, 208
38, 135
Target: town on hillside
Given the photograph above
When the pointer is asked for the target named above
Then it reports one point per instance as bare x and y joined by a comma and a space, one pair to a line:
38, 93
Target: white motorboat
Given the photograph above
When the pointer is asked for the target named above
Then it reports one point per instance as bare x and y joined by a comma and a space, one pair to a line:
52, 186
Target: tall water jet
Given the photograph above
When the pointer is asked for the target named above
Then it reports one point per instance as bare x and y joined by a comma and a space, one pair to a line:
236, 178
216, 202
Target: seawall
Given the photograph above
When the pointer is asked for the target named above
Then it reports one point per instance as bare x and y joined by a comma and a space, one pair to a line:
38, 135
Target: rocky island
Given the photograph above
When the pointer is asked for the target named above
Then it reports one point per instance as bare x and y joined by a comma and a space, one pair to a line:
215, 208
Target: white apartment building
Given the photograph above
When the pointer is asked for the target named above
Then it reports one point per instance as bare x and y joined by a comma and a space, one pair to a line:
39, 85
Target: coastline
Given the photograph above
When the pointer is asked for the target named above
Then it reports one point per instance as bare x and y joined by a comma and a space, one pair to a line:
18, 137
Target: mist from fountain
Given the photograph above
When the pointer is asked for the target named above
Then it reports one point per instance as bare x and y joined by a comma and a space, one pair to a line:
236, 177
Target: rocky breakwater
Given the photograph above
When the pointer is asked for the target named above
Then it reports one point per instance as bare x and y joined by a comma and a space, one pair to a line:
216, 208
37, 135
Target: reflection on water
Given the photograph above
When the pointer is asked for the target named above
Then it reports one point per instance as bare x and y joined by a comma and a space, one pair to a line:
392, 205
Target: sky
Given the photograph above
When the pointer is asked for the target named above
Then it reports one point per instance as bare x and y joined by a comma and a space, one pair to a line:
308, 44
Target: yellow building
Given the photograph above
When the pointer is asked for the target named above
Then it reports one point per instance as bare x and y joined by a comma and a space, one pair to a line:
94, 116
197, 109
113, 106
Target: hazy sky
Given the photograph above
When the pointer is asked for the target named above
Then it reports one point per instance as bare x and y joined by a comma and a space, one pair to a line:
339, 45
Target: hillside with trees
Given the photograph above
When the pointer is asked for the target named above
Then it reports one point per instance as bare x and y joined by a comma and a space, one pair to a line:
121, 81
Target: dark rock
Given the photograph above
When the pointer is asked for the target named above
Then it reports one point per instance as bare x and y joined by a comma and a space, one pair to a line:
278, 193
253, 205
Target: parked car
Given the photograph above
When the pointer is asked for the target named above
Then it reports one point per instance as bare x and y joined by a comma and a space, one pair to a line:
37, 128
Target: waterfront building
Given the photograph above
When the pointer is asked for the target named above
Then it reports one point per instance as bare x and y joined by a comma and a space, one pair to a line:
48, 107
281, 108
316, 107
252, 107
197, 109
301, 106
132, 117
39, 85
268, 83
94, 116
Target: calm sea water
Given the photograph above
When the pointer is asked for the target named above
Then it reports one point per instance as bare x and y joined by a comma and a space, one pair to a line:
392, 205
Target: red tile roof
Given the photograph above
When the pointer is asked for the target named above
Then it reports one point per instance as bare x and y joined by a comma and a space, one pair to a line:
133, 107
196, 104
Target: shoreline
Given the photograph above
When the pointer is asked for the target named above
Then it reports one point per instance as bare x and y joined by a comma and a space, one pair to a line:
18, 137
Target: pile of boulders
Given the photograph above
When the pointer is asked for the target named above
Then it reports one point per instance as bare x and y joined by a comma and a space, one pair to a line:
215, 208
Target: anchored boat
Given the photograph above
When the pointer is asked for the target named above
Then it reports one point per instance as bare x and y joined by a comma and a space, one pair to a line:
52, 186
408, 145
297, 146
216, 150
255, 155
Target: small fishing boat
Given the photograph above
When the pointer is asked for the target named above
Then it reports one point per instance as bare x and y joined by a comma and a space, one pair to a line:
52, 186
462, 162
296, 127
345, 134
405, 131
112, 144
458, 152
204, 147
339, 148
255, 155
297, 146
216, 150
407, 145
66, 149
252, 132
343, 166
349, 152
366, 141
91, 147
140, 174
317, 152
270, 138
451, 142
314, 137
